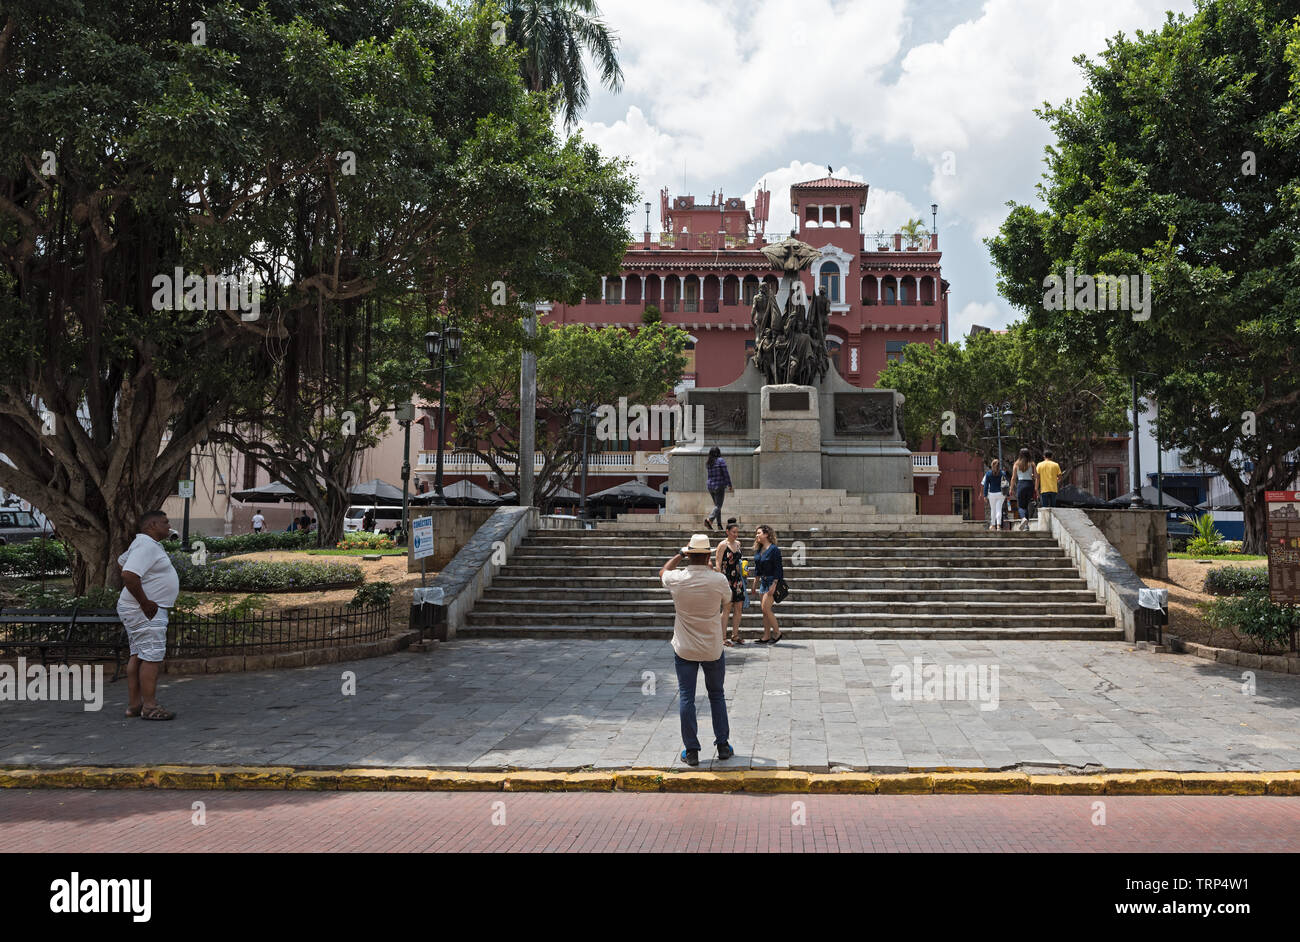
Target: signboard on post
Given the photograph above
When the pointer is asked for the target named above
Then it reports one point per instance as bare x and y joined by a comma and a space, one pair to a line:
1283, 545
185, 490
421, 537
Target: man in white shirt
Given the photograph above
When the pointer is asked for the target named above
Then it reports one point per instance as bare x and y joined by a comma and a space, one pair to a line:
698, 596
149, 588
258, 522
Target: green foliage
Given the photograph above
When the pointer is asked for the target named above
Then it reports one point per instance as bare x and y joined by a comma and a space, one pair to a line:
372, 593
249, 576
651, 314
247, 542
1206, 539
1236, 580
575, 364
914, 232
361, 540
33, 558
35, 595
1252, 614
1150, 174
1060, 400
229, 608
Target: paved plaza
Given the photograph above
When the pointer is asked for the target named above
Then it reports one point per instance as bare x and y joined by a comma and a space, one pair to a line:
810, 704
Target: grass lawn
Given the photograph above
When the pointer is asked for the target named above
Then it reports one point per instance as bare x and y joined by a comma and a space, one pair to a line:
361, 552
1228, 558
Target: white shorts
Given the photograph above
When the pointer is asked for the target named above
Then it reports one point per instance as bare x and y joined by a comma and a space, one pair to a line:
148, 641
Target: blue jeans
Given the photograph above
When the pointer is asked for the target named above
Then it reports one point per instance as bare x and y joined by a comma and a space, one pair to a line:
714, 673
1047, 498
1024, 494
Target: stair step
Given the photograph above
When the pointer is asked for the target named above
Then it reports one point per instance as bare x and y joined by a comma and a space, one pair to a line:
797, 635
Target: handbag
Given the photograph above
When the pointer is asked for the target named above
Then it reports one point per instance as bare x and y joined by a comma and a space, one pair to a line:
781, 591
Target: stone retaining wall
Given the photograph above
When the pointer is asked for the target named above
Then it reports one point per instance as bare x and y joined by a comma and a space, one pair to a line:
1107, 572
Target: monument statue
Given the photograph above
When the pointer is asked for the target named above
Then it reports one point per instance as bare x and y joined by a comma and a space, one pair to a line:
790, 343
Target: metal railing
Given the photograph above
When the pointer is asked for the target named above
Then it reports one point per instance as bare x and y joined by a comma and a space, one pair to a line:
190, 635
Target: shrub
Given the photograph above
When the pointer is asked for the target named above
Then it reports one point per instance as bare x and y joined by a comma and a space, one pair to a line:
372, 593
360, 540
1199, 546
1236, 580
1270, 624
248, 542
33, 557
51, 596
1206, 540
250, 576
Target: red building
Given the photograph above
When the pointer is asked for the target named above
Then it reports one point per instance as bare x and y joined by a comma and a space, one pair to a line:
702, 272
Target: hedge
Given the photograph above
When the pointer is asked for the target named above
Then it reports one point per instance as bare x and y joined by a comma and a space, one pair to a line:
250, 576
1254, 615
248, 542
33, 557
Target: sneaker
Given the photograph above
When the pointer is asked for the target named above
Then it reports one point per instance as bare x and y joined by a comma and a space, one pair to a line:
691, 756
1024, 524
725, 751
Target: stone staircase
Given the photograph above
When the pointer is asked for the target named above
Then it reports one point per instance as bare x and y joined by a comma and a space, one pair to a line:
961, 582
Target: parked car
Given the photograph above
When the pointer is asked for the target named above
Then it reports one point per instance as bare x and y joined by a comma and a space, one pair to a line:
387, 519
18, 526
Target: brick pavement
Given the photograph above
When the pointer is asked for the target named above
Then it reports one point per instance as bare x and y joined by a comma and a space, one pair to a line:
99, 821
810, 704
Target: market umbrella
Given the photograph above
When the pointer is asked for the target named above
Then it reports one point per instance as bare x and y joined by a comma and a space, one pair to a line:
1074, 496
375, 492
272, 493
563, 494
1149, 495
629, 493
462, 492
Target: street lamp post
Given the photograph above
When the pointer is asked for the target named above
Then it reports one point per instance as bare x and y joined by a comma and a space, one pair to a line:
934, 220
994, 417
583, 414
438, 346
405, 413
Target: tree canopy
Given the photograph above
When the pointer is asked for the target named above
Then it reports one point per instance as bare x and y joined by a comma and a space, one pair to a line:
1178, 162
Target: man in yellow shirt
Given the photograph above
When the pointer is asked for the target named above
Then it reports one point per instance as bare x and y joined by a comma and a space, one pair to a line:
1047, 475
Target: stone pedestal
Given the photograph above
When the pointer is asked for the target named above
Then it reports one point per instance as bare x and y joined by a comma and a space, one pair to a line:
790, 438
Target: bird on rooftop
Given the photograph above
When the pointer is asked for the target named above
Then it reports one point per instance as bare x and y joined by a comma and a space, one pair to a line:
830, 170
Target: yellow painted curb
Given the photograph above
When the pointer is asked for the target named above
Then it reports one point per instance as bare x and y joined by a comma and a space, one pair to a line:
705, 782
528, 781
639, 780
981, 783
755, 781
1143, 783
776, 780
1067, 785
843, 783
1281, 783
905, 783
1223, 783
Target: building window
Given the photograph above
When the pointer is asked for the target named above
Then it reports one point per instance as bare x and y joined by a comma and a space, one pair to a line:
853, 359
1108, 483
829, 281
894, 350
750, 289
961, 502
891, 292
250, 473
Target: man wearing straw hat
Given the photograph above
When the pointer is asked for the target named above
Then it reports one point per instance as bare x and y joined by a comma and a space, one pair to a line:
698, 596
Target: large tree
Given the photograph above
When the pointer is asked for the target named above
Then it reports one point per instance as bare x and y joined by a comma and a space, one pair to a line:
333, 156
577, 365
1178, 162
1061, 401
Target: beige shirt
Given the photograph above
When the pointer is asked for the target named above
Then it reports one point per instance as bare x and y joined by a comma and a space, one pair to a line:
698, 594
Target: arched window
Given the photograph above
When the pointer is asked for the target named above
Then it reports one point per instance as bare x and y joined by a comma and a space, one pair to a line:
829, 279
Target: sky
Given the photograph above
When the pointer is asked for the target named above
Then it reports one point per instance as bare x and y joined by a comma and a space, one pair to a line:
927, 101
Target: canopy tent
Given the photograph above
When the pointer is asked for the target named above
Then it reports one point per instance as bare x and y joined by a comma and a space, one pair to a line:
462, 492
1071, 495
1223, 502
562, 494
272, 493
375, 492
630, 494
1149, 495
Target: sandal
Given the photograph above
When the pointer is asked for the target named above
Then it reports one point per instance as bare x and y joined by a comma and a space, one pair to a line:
134, 711
727, 642
156, 712
777, 638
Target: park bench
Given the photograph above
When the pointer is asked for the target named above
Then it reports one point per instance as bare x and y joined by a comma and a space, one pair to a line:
76, 633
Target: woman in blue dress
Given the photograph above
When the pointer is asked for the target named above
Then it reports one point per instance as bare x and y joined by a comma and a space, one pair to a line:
767, 572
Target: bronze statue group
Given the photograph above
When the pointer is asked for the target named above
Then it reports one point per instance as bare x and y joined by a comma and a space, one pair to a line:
790, 344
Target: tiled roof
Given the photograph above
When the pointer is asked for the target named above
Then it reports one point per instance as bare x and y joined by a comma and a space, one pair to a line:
829, 183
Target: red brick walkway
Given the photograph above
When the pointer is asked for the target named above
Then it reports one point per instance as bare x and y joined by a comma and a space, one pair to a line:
93, 821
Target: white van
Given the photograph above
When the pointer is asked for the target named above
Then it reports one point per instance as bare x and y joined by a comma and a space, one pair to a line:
387, 519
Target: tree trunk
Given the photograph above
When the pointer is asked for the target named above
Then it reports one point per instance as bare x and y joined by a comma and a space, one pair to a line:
1254, 513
